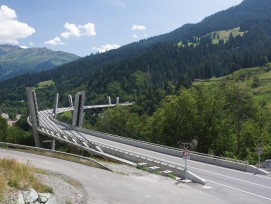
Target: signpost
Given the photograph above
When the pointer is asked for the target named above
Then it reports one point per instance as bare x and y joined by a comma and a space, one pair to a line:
186, 156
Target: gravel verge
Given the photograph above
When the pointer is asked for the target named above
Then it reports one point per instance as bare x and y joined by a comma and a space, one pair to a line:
66, 189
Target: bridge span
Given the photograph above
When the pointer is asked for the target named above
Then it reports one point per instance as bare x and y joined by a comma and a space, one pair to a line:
226, 175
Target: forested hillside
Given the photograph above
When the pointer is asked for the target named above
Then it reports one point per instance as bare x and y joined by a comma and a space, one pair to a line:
162, 60
157, 74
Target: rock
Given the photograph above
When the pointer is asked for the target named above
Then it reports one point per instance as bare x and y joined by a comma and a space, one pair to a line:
44, 197
30, 196
52, 200
20, 199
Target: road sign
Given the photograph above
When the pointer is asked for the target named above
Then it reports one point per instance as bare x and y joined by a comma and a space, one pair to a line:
260, 151
186, 154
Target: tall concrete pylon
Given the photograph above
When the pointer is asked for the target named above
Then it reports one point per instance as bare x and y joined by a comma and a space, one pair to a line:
70, 100
34, 117
79, 100
56, 105
33, 111
109, 100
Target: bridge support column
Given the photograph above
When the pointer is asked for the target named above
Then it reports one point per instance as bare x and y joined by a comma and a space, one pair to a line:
70, 100
117, 100
33, 111
34, 117
109, 100
77, 119
47, 142
56, 105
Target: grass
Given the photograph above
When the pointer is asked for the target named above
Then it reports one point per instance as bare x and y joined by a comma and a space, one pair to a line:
45, 84
216, 36
67, 157
263, 73
224, 35
144, 168
171, 176
19, 176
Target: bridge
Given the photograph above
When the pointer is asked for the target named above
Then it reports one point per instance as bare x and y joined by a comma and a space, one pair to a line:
204, 169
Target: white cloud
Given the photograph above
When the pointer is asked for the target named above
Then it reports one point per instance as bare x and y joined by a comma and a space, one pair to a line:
78, 30
138, 27
31, 44
134, 36
54, 41
10, 28
89, 29
24, 47
106, 47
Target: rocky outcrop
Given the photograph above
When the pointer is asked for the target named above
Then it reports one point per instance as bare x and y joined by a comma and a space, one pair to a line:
33, 197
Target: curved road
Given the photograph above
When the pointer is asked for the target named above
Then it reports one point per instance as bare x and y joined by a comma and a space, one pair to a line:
230, 185
104, 187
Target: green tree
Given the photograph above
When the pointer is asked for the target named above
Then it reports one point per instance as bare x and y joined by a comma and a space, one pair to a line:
240, 105
3, 130
208, 106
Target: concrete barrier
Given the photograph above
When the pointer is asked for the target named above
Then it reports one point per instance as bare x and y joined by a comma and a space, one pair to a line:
219, 161
178, 170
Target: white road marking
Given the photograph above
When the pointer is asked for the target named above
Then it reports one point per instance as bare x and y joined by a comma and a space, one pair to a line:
253, 194
229, 169
233, 178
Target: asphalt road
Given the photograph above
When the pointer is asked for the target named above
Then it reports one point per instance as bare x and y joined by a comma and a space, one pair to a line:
104, 187
230, 185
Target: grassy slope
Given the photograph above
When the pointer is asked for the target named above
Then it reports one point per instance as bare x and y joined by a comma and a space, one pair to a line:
216, 36
224, 35
263, 91
18, 176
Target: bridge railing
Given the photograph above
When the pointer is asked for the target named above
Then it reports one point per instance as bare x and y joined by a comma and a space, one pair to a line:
172, 148
134, 141
176, 168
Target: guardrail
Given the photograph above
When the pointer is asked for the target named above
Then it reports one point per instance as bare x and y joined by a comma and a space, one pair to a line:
177, 169
92, 161
160, 148
167, 147
130, 141
219, 161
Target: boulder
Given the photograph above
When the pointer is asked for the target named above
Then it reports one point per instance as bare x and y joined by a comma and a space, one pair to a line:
30, 196
20, 199
44, 197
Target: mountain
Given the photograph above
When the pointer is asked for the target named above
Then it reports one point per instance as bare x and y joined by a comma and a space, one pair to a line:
148, 70
15, 60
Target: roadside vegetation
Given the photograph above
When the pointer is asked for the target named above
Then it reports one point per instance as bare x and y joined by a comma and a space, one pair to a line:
18, 176
223, 116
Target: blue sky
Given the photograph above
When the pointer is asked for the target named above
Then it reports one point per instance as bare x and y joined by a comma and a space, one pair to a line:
83, 27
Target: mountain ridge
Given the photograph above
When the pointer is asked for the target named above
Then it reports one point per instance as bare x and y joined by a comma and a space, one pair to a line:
15, 60
139, 70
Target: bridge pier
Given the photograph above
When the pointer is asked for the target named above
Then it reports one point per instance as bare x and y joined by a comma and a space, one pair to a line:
56, 105
77, 119
34, 117
46, 140
109, 100
33, 111
70, 100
